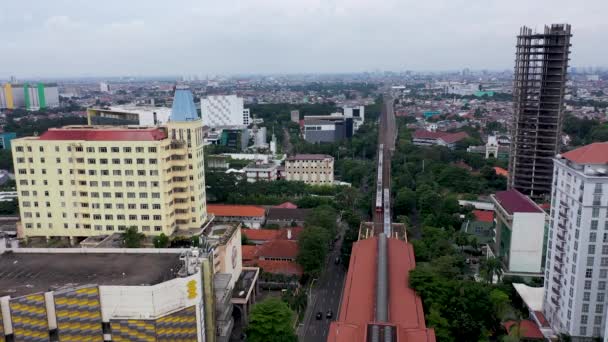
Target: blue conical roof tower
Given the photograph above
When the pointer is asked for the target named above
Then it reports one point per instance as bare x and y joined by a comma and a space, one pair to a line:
183, 108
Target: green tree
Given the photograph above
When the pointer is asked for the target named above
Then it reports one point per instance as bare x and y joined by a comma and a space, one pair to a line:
405, 201
313, 245
132, 238
324, 217
271, 321
491, 267
161, 241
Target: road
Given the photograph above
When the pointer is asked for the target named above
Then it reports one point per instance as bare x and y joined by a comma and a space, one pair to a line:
326, 295
327, 292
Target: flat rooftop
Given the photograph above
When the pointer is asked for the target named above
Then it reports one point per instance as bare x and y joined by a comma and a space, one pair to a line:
22, 274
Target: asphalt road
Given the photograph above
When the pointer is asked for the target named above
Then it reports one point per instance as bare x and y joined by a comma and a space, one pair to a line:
326, 295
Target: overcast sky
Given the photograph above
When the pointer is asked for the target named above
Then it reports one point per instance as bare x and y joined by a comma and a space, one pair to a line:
43, 38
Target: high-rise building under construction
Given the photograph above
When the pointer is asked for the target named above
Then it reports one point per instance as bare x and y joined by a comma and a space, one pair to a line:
538, 97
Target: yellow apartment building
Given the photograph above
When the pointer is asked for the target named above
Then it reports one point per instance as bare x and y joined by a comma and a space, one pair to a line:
80, 181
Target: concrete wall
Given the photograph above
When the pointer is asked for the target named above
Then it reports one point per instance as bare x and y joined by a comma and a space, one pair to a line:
149, 302
527, 242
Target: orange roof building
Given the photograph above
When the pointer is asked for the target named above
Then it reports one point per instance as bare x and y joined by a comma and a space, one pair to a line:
357, 311
501, 172
249, 215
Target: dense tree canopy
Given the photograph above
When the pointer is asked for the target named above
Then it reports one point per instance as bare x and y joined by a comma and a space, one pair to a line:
271, 321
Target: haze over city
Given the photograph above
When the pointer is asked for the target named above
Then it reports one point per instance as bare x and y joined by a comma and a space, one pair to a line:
304, 171
67, 38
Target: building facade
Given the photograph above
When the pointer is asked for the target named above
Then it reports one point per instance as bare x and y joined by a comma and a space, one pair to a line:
29, 96
520, 233
538, 99
315, 169
128, 115
80, 181
224, 111
577, 256
256, 172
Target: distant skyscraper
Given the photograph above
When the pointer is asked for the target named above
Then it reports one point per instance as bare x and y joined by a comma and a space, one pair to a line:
538, 95
224, 111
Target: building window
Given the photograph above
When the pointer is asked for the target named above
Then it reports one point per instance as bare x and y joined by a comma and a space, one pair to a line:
589, 273
591, 249
595, 212
605, 249
594, 225
603, 273
599, 308
592, 236
597, 319
583, 331
585, 307
584, 319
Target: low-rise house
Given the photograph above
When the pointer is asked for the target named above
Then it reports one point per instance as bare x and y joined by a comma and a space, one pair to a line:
310, 168
256, 172
428, 138
287, 217
481, 226
249, 215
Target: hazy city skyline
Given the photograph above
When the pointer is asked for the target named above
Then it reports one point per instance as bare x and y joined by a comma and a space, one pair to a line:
70, 38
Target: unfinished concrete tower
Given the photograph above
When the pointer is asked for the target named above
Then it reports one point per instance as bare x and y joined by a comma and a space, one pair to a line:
538, 97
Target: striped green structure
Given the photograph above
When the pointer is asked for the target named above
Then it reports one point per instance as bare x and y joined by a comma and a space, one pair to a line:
41, 98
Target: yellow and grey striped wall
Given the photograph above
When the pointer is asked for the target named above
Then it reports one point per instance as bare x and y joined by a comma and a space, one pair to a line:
74, 314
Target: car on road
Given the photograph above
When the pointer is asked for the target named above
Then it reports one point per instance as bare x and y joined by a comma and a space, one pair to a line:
329, 314
337, 260
319, 315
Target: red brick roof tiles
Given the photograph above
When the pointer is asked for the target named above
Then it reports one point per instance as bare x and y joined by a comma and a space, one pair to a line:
235, 210
285, 249
484, 215
278, 267
104, 134
527, 329
515, 202
596, 153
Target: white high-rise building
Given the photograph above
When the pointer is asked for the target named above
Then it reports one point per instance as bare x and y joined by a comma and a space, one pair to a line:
104, 87
224, 111
576, 270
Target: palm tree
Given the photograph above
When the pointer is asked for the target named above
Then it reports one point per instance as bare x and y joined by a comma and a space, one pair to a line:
491, 267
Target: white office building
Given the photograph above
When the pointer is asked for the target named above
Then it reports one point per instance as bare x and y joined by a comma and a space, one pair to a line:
576, 269
224, 111
520, 230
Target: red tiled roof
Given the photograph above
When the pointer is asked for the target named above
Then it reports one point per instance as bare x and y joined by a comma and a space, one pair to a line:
358, 303
527, 328
501, 172
541, 319
287, 205
515, 202
295, 233
261, 234
445, 136
278, 267
279, 249
454, 137
235, 210
104, 134
484, 215
596, 153
249, 252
